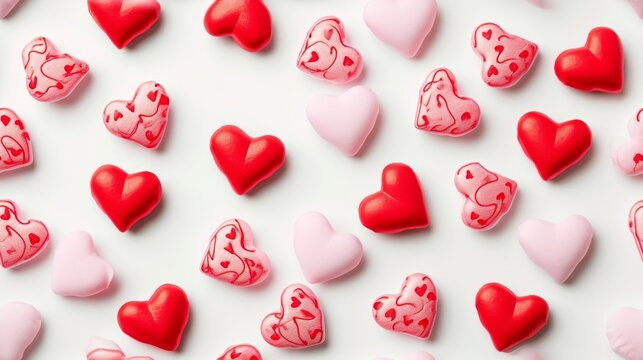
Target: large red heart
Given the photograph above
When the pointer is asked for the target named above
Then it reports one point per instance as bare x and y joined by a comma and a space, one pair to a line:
160, 320
398, 206
509, 319
597, 66
244, 160
124, 20
551, 146
125, 198
248, 22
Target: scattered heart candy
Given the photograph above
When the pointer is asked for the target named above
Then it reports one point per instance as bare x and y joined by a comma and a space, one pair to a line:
124, 20
19, 326
487, 196
629, 155
125, 198
412, 311
624, 329
597, 66
15, 142
6, 6
345, 120
506, 58
51, 75
248, 22
101, 349
160, 321
232, 256
21, 240
636, 225
441, 109
241, 352
638, 7
323, 253
299, 323
420, 355
402, 24
143, 119
326, 55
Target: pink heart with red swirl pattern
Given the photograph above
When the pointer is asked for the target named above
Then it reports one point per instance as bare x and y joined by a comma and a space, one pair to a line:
15, 143
22, 240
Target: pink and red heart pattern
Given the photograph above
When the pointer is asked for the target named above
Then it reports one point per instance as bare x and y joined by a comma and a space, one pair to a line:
21, 240
15, 142
241, 352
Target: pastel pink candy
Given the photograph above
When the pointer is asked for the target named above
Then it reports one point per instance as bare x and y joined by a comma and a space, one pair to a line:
624, 329
78, 270
19, 326
402, 24
559, 247
324, 254
345, 120
101, 349
628, 157
638, 7
636, 225
21, 240
15, 142
420, 355
6, 6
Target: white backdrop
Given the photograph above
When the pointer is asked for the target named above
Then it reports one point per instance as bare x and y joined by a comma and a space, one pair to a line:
212, 82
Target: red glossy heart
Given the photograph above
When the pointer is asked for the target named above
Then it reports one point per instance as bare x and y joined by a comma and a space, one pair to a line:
248, 22
160, 320
398, 206
244, 160
124, 20
553, 147
597, 66
509, 319
125, 198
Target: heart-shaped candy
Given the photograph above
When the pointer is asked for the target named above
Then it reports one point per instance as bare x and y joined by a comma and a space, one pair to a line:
299, 323
638, 7
15, 142
345, 120
6, 6
624, 329
248, 22
101, 349
326, 55
241, 352
19, 326
420, 355
143, 119
51, 75
628, 157
21, 240
324, 254
124, 20
441, 109
636, 225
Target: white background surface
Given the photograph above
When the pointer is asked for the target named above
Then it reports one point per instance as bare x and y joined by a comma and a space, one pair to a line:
212, 82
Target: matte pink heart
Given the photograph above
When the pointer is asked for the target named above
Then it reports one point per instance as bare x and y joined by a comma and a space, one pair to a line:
420, 355
638, 7
19, 326
624, 329
102, 349
6, 6
628, 157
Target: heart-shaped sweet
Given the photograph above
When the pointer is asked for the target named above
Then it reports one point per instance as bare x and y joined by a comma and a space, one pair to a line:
125, 198
160, 321
487, 196
636, 225
624, 329
299, 323
398, 206
638, 7
556, 247
324, 254
78, 270
101, 349
244, 160
51, 75
15, 142
345, 120
442, 110
420, 355
402, 24
6, 6
232, 256
628, 157
597, 66
19, 326
143, 119
326, 55
21, 240
241, 352
248, 22
124, 20
506, 58
553, 147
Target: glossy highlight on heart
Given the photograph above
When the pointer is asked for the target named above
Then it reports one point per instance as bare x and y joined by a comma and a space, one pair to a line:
124, 20
248, 22
636, 225
22, 240
241, 352
102, 349
15, 142
628, 157
19, 326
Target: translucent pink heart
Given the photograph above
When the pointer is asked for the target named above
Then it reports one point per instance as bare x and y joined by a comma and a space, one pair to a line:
420, 355
628, 157
323, 253
638, 7
402, 24
624, 329
636, 225
101, 349
6, 6
19, 326
442, 110
15, 142
22, 240
241, 352
345, 120
51, 75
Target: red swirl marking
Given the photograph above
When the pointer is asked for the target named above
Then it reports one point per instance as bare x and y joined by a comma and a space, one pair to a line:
241, 352
15, 143
21, 240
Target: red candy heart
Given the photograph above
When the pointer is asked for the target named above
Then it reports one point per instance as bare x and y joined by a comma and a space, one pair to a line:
509, 319
21, 240
160, 320
597, 66
244, 160
551, 146
125, 198
248, 22
124, 20
398, 206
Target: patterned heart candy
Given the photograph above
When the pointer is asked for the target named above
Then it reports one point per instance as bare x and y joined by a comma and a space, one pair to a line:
15, 143
636, 225
241, 352
628, 157
101, 349
21, 240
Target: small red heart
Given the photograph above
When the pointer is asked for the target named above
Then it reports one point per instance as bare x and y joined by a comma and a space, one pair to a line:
124, 20
248, 22
232, 234
492, 71
487, 34
294, 302
5, 120
225, 264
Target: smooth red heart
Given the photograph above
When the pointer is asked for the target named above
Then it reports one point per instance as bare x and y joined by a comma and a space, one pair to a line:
398, 206
160, 321
124, 20
597, 66
553, 147
509, 319
248, 22
125, 198
244, 160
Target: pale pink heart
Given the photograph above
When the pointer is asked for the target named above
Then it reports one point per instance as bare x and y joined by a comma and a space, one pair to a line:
102, 349
15, 142
638, 7
624, 329
402, 24
6, 6
78, 270
324, 254
420, 355
628, 157
19, 326
636, 225
21, 240
345, 120
558, 247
